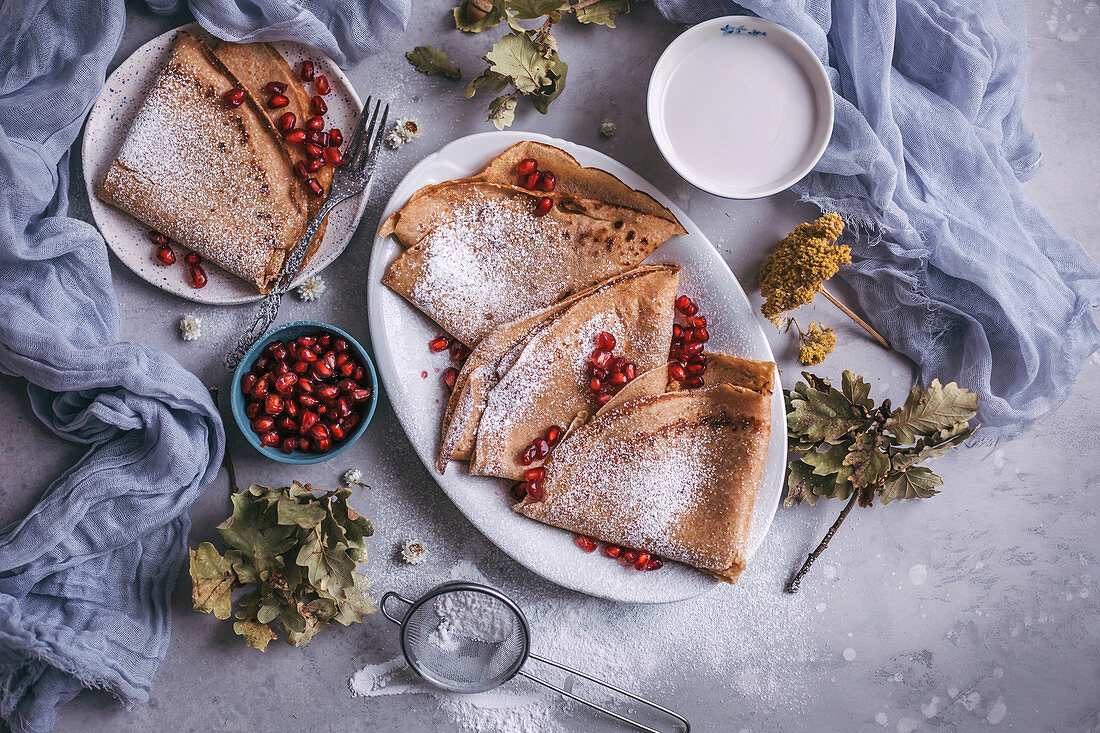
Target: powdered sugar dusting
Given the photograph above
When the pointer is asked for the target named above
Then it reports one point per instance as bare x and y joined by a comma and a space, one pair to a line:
472, 265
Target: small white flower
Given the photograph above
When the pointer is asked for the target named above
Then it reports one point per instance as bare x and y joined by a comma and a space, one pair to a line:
312, 288
190, 327
413, 552
394, 140
353, 477
607, 129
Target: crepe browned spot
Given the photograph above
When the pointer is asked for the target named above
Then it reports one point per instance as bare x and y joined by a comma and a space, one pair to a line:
537, 375
216, 179
482, 258
572, 178
674, 474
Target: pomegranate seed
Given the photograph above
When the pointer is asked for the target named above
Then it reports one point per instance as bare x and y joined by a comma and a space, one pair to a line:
314, 165
252, 410
323, 446
234, 97
334, 157
613, 551
547, 181
618, 379
584, 543
695, 347
654, 563
197, 277
165, 255
286, 121
346, 369
341, 345
531, 180
273, 404
305, 70
288, 445
695, 369
527, 166
324, 339
321, 371
628, 371
630, 556
248, 381
697, 322
277, 101
319, 431
542, 448
315, 187
600, 359
287, 423
317, 106
346, 386
307, 355
295, 136
603, 398
606, 341
459, 352
192, 259
157, 237
263, 424
321, 85
553, 435
308, 420
642, 561
343, 407
534, 490
595, 384
358, 376
300, 170
693, 382
362, 395
308, 400
450, 374
527, 456
439, 343
519, 490
335, 138
272, 347
676, 372
318, 138
293, 408
285, 383
534, 474
270, 439
328, 392
315, 123
683, 303
275, 87
314, 151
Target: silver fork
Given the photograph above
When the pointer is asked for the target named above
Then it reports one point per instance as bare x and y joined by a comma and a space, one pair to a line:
349, 180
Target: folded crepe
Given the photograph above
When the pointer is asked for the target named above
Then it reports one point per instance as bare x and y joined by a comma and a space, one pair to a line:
482, 258
674, 474
216, 179
532, 374
572, 179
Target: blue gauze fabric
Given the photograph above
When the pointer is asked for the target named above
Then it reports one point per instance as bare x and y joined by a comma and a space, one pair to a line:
951, 262
86, 577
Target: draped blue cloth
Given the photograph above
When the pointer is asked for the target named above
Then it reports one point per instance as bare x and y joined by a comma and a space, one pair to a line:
86, 577
951, 262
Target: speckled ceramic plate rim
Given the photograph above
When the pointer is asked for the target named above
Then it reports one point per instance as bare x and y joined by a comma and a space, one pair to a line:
127, 237
400, 333
806, 58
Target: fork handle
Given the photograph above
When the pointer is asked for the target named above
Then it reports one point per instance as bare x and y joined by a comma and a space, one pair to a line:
265, 313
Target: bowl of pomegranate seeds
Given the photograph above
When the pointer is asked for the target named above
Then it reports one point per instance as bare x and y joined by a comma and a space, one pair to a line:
304, 393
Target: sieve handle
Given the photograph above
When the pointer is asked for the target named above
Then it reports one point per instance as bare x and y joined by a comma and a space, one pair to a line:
382, 605
607, 685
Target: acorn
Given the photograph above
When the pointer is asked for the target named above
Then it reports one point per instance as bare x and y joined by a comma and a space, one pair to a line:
477, 9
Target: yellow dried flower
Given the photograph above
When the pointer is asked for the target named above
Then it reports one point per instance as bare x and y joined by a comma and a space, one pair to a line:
800, 263
815, 344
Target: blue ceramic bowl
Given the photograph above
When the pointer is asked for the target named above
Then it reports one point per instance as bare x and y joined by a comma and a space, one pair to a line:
286, 333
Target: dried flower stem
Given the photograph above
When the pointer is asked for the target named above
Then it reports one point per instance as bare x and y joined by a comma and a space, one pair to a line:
859, 321
227, 459
794, 582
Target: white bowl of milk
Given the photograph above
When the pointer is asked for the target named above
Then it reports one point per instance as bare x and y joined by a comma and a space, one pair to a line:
740, 107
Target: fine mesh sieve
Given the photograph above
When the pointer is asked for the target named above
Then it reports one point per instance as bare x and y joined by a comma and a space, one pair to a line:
466, 637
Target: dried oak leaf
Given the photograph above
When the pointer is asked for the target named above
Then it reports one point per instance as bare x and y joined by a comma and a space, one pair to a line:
213, 580
255, 634
431, 61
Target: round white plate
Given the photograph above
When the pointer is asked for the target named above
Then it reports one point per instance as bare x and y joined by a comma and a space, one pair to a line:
127, 237
410, 375
740, 107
